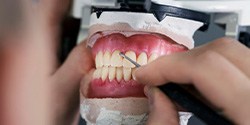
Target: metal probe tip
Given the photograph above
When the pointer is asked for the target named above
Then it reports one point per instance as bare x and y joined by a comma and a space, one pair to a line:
122, 55
129, 59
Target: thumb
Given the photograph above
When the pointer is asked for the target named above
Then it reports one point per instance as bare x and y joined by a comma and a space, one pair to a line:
162, 110
66, 82
78, 64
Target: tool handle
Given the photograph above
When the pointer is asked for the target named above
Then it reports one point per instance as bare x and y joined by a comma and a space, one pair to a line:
194, 105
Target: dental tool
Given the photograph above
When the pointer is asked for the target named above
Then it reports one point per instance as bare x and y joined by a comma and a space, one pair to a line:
188, 101
130, 60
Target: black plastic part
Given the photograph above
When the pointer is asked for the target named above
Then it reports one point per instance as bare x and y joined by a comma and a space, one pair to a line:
160, 15
123, 9
245, 38
98, 14
194, 105
160, 11
135, 4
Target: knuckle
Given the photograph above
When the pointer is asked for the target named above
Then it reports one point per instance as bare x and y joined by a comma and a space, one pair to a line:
163, 58
224, 42
206, 57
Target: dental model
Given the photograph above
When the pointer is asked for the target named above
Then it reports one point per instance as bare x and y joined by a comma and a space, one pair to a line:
114, 97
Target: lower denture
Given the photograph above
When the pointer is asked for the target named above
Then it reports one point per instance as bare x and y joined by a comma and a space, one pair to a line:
113, 77
114, 89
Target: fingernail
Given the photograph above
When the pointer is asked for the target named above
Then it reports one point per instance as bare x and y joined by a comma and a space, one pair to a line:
136, 70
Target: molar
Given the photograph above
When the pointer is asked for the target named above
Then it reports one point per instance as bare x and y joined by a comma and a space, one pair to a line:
116, 59
99, 60
105, 72
142, 59
119, 73
153, 57
127, 72
132, 56
112, 73
106, 58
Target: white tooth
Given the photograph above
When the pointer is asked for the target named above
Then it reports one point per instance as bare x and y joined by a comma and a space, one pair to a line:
132, 56
119, 74
106, 58
111, 73
142, 59
99, 60
152, 57
132, 73
127, 74
105, 72
116, 59
97, 73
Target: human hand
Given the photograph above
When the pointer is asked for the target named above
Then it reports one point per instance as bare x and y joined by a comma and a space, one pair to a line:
35, 89
46, 11
219, 71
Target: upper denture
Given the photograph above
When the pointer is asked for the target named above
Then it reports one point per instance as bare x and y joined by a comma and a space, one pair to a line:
148, 43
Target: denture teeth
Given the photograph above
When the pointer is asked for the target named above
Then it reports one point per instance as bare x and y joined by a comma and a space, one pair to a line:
127, 74
142, 59
106, 58
153, 57
132, 73
99, 60
113, 66
112, 73
132, 56
116, 59
97, 73
105, 72
119, 74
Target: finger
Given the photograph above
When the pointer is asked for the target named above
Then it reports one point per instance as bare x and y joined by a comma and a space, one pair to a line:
85, 83
65, 83
47, 11
22, 88
210, 77
159, 71
231, 49
52, 12
38, 35
162, 110
78, 64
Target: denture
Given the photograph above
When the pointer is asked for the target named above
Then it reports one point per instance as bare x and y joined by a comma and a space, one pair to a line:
113, 75
114, 96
